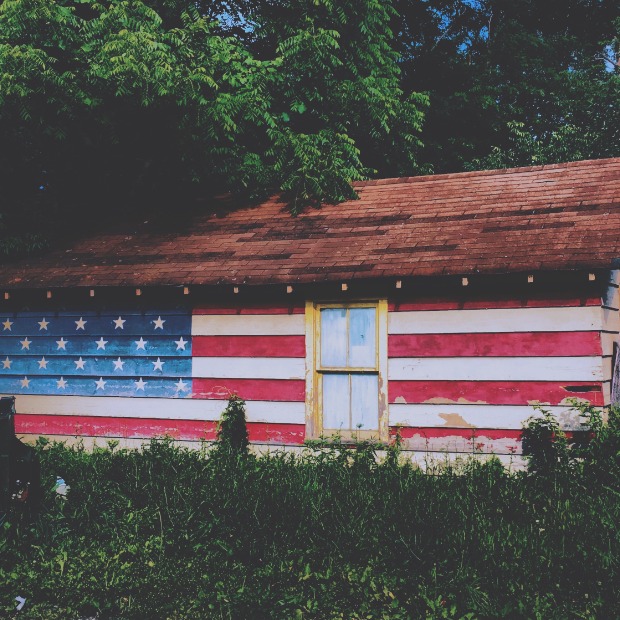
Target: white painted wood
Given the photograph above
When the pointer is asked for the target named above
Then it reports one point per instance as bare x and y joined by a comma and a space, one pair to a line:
611, 297
157, 408
611, 320
607, 342
583, 318
249, 367
474, 444
509, 417
496, 369
248, 325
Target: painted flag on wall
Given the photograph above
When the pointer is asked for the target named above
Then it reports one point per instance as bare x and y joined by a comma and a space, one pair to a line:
137, 354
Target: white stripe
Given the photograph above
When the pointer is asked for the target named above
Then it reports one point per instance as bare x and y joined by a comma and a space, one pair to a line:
249, 367
157, 408
248, 325
607, 343
496, 369
480, 416
583, 318
611, 320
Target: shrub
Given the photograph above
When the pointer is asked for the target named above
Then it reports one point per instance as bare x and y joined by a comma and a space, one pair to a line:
232, 431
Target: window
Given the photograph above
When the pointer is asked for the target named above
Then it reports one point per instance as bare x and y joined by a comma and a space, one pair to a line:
347, 359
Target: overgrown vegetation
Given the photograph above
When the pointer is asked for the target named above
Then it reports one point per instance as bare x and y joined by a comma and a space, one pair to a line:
172, 533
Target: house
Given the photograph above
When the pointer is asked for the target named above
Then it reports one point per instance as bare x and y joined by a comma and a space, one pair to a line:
446, 306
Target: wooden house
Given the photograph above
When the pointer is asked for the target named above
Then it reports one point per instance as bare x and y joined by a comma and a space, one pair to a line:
446, 306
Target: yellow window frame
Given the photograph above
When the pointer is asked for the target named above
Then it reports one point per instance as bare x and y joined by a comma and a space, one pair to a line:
314, 372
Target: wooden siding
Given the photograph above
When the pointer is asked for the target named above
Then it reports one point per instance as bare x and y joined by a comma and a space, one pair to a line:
459, 371
462, 375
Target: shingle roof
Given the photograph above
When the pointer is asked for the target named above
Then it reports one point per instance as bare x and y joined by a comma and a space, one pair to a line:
555, 217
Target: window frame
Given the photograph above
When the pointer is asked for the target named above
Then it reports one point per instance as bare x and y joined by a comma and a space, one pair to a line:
314, 370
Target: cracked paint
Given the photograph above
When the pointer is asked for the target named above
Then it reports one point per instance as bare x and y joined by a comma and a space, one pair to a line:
440, 400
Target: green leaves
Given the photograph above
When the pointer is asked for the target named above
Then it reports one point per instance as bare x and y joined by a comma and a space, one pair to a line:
113, 105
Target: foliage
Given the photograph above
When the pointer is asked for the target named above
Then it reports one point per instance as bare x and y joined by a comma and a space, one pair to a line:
492, 67
108, 107
232, 432
172, 533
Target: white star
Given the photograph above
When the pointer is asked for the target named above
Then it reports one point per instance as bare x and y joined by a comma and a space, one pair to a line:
7, 362
61, 384
158, 365
101, 384
43, 324
79, 364
140, 344
25, 382
62, 344
159, 323
101, 343
80, 324
181, 386
118, 364
118, 323
180, 343
140, 384
25, 343
43, 363
7, 325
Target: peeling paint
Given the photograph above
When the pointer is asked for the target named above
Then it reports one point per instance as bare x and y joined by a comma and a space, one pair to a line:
440, 400
400, 400
454, 419
570, 400
534, 403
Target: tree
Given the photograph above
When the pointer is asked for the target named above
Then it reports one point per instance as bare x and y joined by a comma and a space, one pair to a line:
109, 106
490, 64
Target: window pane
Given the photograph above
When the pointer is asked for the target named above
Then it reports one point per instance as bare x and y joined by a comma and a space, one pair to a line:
333, 337
362, 338
365, 402
336, 403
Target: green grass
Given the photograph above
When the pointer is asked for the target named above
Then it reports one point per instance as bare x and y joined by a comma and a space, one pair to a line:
173, 533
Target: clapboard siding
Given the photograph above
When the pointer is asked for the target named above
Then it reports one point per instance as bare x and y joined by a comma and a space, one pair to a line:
491, 302
157, 408
249, 346
146, 428
461, 440
252, 389
547, 344
562, 319
610, 336
462, 369
241, 325
498, 368
495, 392
509, 417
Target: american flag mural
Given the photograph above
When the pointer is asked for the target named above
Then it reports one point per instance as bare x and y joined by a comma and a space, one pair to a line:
115, 354
143, 373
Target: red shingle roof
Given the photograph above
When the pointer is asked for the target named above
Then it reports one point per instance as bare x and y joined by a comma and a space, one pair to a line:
562, 216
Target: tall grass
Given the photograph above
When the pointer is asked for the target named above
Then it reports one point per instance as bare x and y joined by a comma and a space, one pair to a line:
168, 532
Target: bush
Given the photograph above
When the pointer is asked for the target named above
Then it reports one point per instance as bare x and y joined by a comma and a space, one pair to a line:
167, 532
232, 431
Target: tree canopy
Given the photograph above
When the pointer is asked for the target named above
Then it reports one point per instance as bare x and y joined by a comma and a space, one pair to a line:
117, 107
128, 103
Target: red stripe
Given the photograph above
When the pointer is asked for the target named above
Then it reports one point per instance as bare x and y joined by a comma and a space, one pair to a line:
138, 428
479, 304
291, 390
249, 346
407, 432
495, 345
254, 309
492, 392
